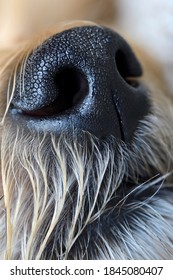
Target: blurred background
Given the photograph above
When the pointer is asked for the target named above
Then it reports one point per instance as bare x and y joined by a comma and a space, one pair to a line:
150, 22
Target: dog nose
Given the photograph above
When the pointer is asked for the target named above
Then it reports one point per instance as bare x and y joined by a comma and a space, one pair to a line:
85, 79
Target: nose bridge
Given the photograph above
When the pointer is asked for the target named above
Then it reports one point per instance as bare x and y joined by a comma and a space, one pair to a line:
92, 50
105, 60
89, 52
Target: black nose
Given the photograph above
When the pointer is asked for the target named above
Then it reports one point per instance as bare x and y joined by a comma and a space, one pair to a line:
83, 79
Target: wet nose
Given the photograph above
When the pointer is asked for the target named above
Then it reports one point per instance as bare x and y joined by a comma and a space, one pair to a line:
85, 79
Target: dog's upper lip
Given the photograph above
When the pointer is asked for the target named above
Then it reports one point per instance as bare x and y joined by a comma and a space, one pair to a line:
105, 60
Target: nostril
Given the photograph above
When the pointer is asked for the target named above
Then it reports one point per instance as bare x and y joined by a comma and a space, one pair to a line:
71, 86
121, 63
125, 70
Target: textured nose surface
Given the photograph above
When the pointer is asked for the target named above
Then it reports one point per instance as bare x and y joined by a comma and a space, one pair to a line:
79, 79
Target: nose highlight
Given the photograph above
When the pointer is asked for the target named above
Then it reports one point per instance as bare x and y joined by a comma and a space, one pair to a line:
82, 79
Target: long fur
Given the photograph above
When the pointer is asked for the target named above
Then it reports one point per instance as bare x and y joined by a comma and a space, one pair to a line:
72, 199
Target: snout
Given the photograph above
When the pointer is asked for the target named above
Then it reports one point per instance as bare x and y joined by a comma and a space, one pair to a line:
85, 78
